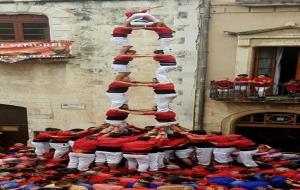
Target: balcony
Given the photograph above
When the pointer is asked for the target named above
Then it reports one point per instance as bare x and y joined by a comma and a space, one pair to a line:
275, 93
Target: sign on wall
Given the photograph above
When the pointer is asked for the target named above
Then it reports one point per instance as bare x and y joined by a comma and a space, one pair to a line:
12, 52
73, 106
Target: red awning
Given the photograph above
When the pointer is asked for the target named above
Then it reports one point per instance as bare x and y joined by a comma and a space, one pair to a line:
12, 52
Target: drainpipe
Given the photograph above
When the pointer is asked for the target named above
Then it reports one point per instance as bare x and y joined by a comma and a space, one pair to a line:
202, 47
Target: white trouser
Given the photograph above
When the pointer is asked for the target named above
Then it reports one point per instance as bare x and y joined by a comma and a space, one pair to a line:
163, 101
120, 68
108, 157
60, 149
223, 155
162, 73
134, 160
238, 87
119, 123
71, 143
169, 154
165, 44
117, 99
261, 91
140, 22
184, 153
161, 158
41, 147
245, 157
153, 161
204, 155
81, 161
120, 41
165, 124
139, 16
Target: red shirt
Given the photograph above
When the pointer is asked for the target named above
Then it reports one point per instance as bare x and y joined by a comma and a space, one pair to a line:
162, 30
165, 116
44, 135
119, 84
244, 143
105, 141
174, 142
166, 86
122, 31
262, 81
141, 146
64, 136
224, 84
116, 114
164, 58
124, 57
85, 145
242, 80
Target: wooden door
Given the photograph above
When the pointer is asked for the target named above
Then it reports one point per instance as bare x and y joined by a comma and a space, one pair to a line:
297, 77
13, 125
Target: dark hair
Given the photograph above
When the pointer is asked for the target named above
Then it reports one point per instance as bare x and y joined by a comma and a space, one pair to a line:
264, 166
120, 174
144, 138
148, 179
91, 137
245, 172
199, 132
158, 51
249, 178
115, 134
42, 182
110, 180
197, 176
176, 135
211, 169
76, 130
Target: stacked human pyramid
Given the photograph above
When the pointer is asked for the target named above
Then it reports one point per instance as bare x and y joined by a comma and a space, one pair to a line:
152, 147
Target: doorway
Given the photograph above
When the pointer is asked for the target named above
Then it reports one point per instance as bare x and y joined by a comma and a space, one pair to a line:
278, 129
13, 125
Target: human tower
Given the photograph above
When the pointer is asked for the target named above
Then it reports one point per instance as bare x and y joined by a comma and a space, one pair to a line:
144, 148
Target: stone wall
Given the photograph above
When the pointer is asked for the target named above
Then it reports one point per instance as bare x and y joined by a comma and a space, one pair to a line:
43, 87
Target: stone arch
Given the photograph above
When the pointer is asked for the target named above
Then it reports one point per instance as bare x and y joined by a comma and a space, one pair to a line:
228, 123
59, 19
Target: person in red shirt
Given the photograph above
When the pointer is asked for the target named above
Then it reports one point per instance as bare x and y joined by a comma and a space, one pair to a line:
165, 35
42, 139
241, 83
164, 94
119, 37
117, 117
109, 149
121, 61
224, 87
136, 152
83, 153
167, 64
293, 86
262, 83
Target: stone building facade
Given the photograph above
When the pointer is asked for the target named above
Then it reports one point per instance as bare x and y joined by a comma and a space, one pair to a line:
236, 29
72, 95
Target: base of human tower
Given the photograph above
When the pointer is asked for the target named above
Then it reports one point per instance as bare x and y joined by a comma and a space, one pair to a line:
181, 159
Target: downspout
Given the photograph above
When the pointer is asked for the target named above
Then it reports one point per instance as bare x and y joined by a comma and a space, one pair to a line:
202, 47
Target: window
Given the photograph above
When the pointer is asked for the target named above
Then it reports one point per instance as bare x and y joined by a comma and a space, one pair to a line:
282, 64
24, 28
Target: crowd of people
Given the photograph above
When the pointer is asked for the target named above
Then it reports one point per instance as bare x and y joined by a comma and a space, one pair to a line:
117, 155
22, 168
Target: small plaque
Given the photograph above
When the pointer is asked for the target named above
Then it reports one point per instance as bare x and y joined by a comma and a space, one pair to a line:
73, 106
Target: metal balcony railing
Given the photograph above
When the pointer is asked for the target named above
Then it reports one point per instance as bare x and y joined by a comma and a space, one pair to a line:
253, 92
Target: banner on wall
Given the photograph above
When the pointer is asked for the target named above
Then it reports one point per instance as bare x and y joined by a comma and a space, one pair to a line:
12, 52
